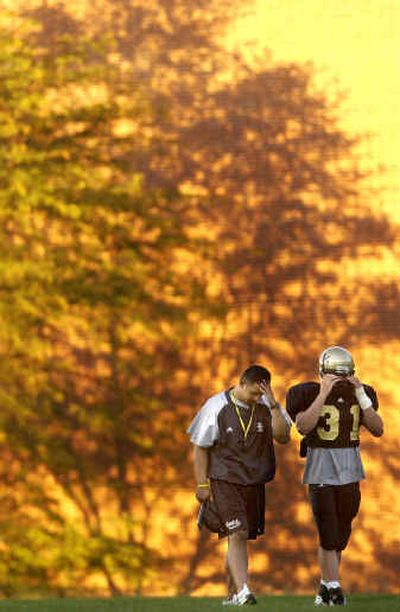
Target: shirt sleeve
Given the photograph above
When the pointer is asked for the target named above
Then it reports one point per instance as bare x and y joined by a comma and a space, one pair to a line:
295, 401
203, 430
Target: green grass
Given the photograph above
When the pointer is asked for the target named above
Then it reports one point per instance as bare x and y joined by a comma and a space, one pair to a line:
361, 603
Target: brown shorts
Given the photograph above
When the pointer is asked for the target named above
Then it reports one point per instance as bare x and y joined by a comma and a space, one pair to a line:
334, 508
241, 507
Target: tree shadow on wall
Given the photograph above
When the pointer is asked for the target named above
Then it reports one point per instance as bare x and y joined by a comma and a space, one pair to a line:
270, 175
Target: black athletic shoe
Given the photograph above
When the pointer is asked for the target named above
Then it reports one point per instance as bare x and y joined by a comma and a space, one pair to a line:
251, 600
336, 597
322, 597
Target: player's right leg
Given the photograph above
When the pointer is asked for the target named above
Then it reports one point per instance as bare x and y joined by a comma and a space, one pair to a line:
323, 502
322, 597
230, 600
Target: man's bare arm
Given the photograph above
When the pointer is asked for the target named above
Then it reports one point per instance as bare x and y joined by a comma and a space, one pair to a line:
280, 426
200, 460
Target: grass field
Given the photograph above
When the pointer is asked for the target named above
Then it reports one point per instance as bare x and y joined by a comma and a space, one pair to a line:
361, 603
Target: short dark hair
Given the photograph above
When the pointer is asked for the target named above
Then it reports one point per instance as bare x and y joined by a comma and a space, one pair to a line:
255, 374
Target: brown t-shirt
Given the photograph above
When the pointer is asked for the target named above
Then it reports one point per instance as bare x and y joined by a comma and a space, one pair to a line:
233, 456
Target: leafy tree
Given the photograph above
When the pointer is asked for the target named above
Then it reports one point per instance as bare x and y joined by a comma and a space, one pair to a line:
94, 301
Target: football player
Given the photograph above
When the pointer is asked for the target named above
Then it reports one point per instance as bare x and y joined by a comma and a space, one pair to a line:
234, 457
329, 415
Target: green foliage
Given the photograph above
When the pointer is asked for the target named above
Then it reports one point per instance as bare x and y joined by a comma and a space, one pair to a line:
90, 287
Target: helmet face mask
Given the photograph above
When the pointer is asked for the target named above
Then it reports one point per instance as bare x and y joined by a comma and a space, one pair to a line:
336, 360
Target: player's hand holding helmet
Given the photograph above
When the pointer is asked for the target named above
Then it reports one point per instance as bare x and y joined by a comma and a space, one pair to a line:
327, 382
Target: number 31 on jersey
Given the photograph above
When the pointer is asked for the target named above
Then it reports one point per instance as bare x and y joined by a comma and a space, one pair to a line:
331, 415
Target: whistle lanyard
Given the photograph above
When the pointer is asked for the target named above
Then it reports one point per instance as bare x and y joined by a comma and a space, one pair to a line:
245, 428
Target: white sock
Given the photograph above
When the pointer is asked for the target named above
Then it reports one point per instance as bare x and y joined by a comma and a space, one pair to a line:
333, 584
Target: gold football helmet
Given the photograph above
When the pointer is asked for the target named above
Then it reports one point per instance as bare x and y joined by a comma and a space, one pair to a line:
336, 360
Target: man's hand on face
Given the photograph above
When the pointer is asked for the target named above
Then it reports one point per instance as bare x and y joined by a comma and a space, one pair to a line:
266, 389
327, 382
354, 381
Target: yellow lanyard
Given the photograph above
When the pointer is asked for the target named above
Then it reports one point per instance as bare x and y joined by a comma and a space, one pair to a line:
245, 428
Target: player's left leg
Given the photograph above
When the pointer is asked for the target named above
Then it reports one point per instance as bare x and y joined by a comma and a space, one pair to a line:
238, 564
348, 498
231, 508
348, 505
237, 558
230, 600
254, 500
328, 562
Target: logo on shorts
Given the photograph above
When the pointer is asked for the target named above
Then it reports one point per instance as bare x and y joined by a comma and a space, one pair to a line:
233, 524
229, 430
259, 426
